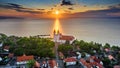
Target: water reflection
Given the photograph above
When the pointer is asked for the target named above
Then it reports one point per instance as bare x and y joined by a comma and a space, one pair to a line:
57, 26
87, 29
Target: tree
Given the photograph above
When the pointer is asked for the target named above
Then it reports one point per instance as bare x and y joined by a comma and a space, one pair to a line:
118, 57
106, 62
19, 51
115, 48
30, 63
107, 45
42, 47
65, 49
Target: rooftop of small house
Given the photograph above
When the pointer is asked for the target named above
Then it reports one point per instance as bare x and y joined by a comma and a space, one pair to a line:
24, 58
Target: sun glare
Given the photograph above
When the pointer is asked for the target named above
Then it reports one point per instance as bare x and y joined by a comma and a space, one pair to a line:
57, 25
56, 12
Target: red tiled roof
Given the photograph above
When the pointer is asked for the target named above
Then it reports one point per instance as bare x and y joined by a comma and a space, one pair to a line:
91, 63
97, 64
24, 58
82, 61
88, 65
68, 38
70, 59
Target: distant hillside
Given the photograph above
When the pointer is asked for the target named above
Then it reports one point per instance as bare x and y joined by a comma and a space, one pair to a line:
9, 17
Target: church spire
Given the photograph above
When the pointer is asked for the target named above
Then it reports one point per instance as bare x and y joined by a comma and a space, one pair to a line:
56, 31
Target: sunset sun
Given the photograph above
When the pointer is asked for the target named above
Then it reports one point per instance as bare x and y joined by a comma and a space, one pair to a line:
57, 12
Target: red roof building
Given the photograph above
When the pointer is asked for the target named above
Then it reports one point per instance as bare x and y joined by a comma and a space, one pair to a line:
117, 66
84, 63
23, 59
90, 64
70, 61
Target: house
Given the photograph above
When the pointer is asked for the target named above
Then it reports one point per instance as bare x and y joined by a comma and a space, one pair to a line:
107, 49
91, 62
24, 59
58, 37
117, 66
70, 61
84, 63
79, 55
53, 64
11, 55
61, 55
6, 48
0, 59
110, 57
1, 44
37, 65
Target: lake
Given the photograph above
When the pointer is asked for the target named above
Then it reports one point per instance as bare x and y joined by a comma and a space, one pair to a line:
101, 30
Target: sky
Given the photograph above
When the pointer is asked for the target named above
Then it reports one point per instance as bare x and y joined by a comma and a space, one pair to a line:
67, 8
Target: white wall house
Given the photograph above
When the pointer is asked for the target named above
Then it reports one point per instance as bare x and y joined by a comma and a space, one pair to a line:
70, 61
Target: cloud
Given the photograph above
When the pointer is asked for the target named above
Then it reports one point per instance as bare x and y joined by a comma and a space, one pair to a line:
14, 5
40, 9
64, 2
84, 5
18, 8
67, 11
111, 11
70, 8
10, 6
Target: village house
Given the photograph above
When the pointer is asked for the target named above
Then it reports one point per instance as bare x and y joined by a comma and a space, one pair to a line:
53, 64
21, 60
6, 48
70, 61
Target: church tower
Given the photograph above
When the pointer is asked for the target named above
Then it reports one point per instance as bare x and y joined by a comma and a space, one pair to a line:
56, 35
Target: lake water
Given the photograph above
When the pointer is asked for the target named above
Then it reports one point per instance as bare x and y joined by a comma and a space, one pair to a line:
103, 30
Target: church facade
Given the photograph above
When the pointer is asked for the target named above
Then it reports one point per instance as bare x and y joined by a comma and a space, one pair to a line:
58, 37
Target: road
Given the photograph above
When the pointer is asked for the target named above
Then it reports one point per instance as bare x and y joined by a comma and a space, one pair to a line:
75, 66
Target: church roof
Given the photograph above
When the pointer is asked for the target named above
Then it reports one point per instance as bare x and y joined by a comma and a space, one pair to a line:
65, 37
